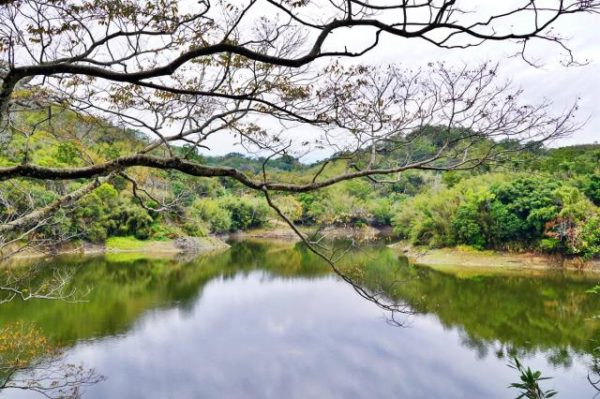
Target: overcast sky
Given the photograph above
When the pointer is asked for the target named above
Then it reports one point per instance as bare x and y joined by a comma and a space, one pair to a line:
551, 80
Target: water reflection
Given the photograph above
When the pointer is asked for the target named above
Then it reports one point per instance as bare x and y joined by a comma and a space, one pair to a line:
264, 321
28, 362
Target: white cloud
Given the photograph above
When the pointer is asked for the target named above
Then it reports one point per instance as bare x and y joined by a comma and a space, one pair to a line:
551, 80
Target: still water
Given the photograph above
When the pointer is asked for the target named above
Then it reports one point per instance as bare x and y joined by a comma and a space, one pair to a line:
271, 321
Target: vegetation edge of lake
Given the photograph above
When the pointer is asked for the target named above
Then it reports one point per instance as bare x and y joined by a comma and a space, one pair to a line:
467, 257
116, 245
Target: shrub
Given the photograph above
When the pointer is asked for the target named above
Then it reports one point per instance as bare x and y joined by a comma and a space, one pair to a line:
381, 210
246, 212
466, 226
206, 213
592, 188
290, 206
590, 237
501, 213
313, 207
102, 214
549, 245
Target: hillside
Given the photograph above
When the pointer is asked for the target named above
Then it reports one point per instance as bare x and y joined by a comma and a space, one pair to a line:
540, 199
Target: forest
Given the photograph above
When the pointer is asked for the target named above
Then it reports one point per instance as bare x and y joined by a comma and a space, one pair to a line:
542, 199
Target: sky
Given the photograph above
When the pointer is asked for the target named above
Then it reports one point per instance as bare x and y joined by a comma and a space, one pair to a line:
550, 80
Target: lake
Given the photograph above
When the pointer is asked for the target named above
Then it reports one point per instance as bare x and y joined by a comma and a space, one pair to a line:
270, 320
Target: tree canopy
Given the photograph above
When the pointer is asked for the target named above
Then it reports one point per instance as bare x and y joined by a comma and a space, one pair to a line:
178, 73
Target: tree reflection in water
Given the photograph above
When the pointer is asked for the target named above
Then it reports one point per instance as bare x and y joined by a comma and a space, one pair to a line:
495, 314
28, 362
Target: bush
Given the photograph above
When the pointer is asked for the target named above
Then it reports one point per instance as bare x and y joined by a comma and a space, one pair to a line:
466, 226
313, 207
165, 231
103, 213
290, 206
131, 220
381, 210
592, 188
341, 209
426, 218
575, 224
549, 245
226, 214
522, 212
246, 212
208, 213
590, 237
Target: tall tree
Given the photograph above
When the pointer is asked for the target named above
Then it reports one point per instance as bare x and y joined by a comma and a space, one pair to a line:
263, 70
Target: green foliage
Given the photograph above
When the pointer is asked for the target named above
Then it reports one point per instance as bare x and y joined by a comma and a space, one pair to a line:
433, 218
313, 206
209, 213
503, 212
67, 153
339, 208
594, 290
505, 226
467, 228
103, 213
227, 213
529, 385
554, 209
589, 238
592, 188
162, 231
358, 188
531, 200
246, 212
571, 161
576, 226
129, 243
382, 210
290, 206
549, 244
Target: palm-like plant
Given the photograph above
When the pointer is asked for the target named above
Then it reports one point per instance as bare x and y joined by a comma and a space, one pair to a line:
530, 382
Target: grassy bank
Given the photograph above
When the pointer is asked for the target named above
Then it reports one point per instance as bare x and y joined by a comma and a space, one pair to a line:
463, 257
127, 245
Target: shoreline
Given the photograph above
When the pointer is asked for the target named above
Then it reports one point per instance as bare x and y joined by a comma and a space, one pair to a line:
150, 248
365, 233
456, 258
462, 258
